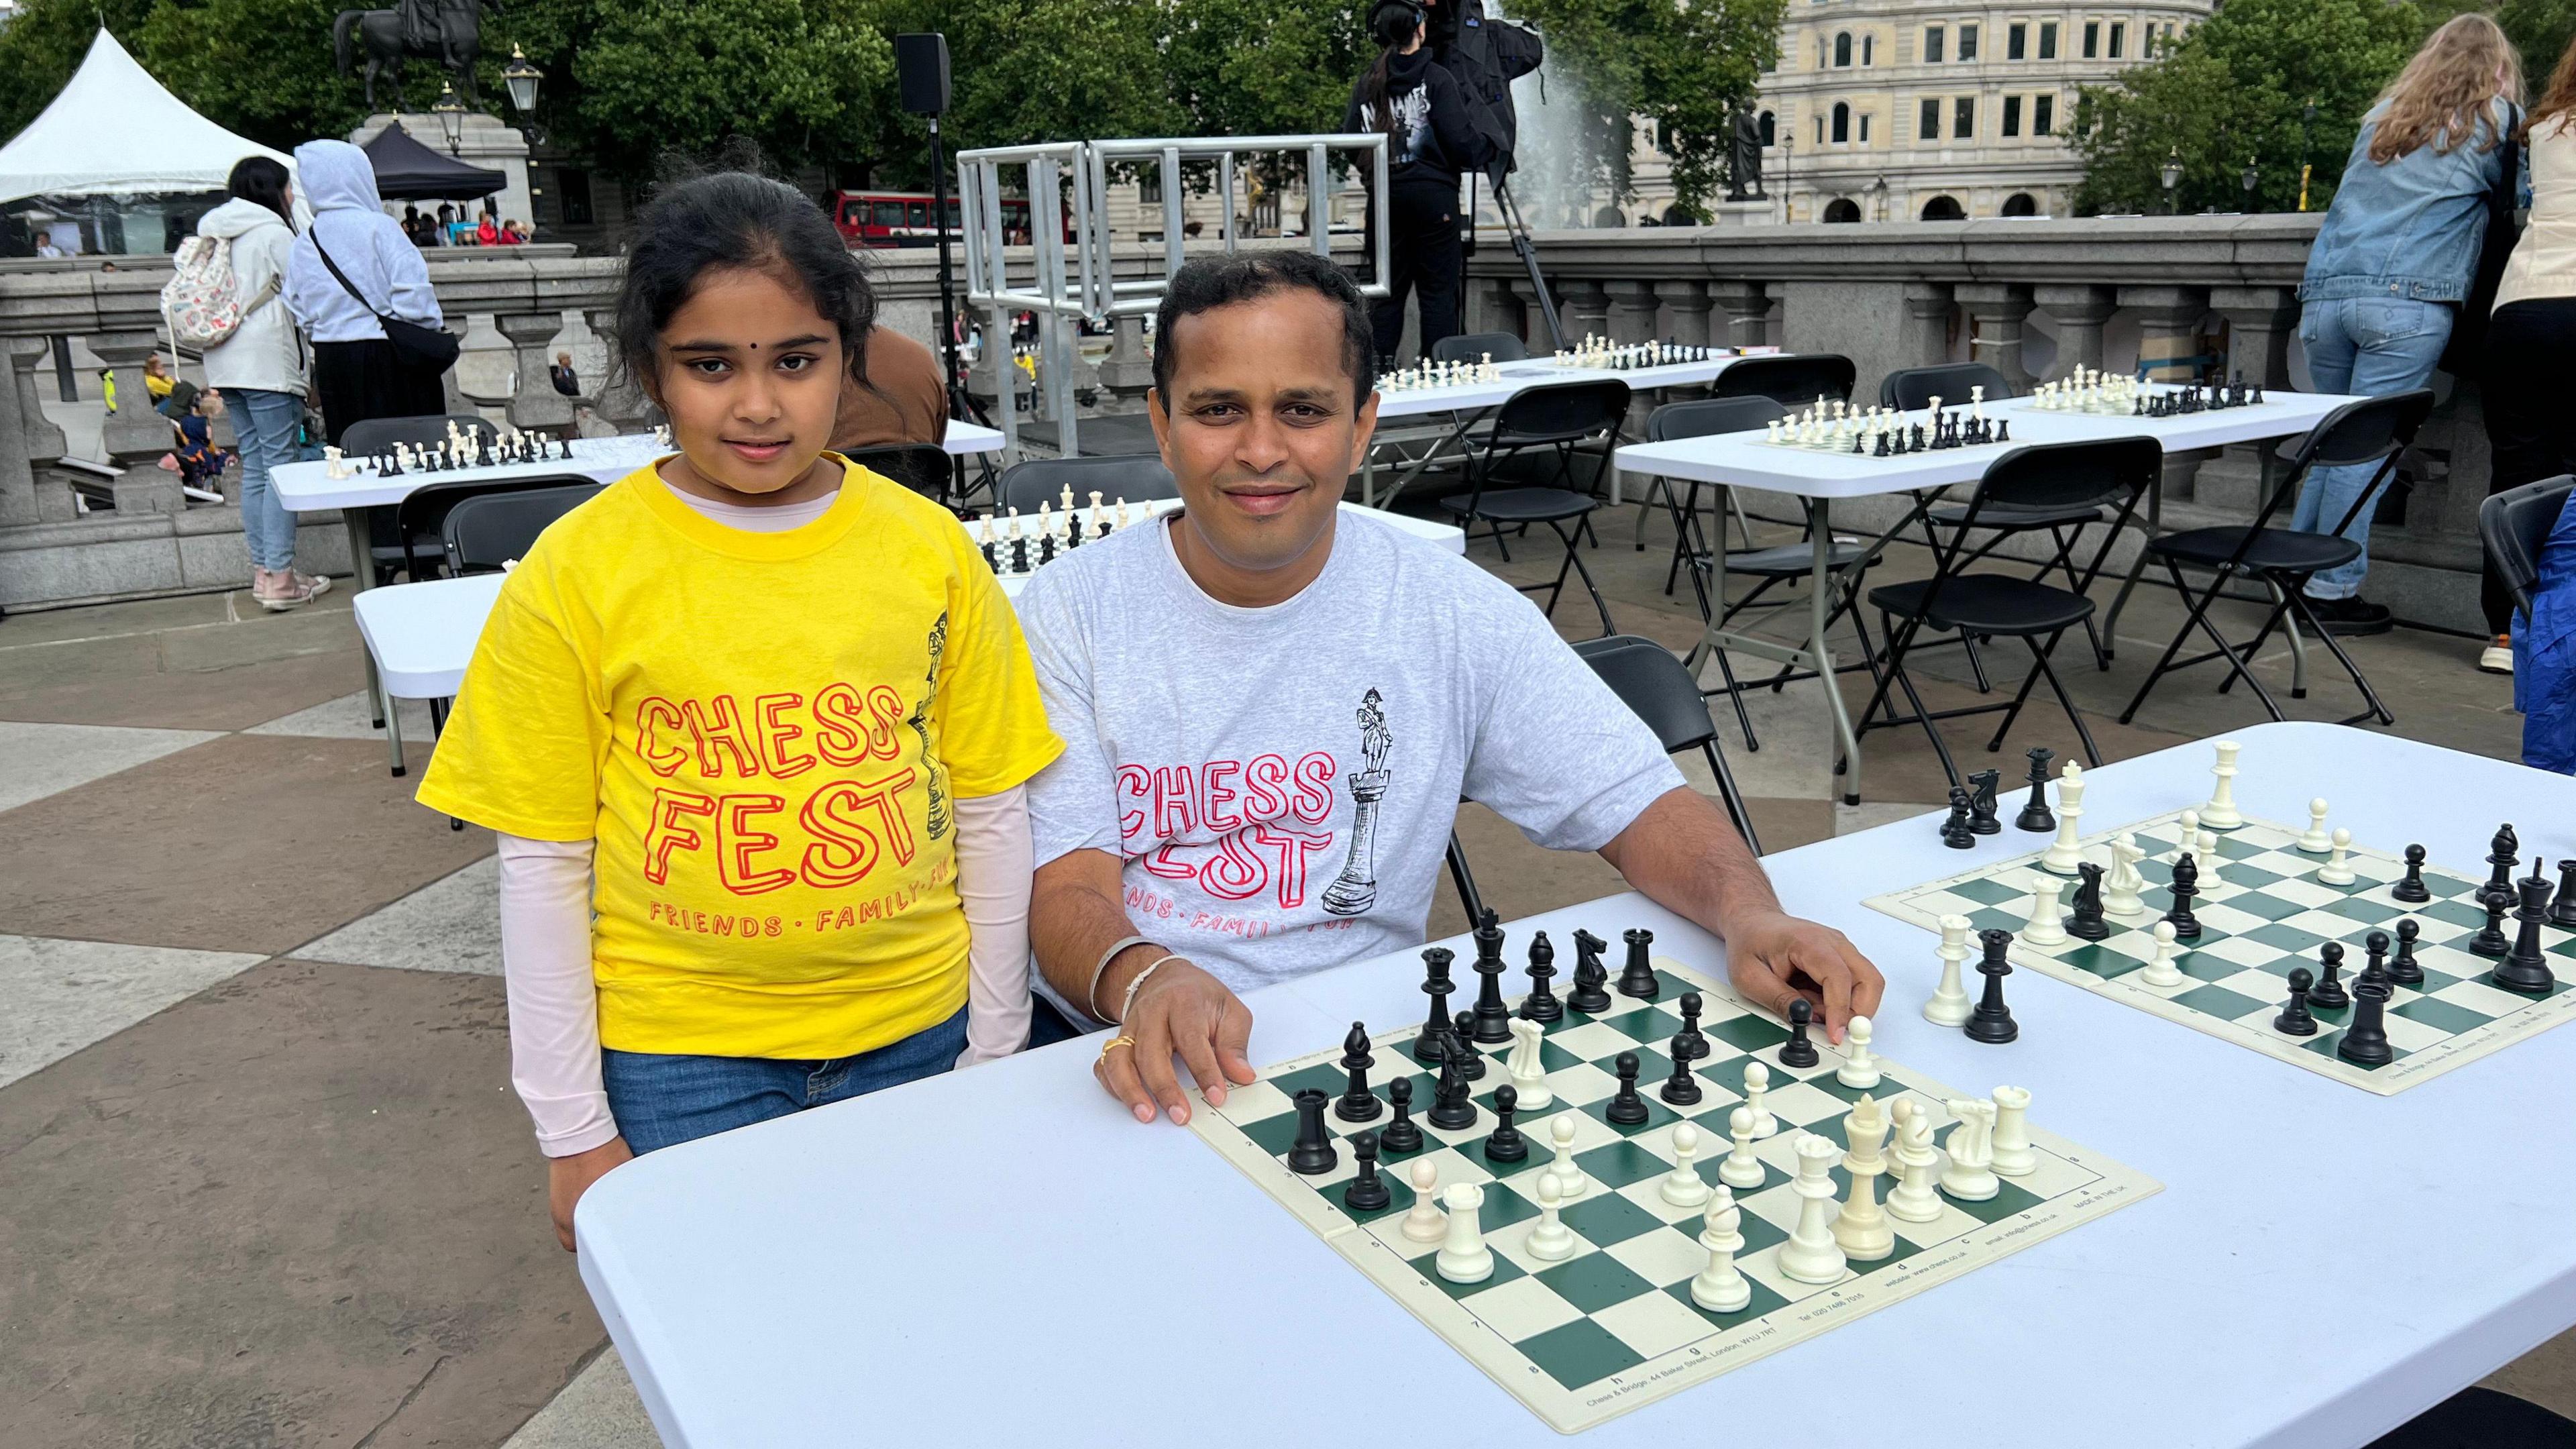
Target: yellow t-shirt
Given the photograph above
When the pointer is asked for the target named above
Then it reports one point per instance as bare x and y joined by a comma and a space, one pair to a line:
764, 733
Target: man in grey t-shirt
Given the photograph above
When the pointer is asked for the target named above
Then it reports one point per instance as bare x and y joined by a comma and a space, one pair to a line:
1270, 713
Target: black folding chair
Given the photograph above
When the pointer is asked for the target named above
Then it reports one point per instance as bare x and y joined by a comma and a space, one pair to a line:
1915, 387
389, 549
421, 517
490, 529
2514, 525
1477, 346
1654, 684
2371, 431
922, 467
2047, 475
1791, 380
1559, 416
1138, 478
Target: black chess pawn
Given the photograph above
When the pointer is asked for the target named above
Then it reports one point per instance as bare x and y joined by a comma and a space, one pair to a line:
2295, 1018
1681, 1088
1798, 1051
2411, 889
1450, 1107
1956, 831
1358, 1103
1311, 1155
1981, 802
2490, 941
1436, 985
1506, 1143
1541, 1004
2403, 970
2184, 887
1637, 977
2365, 1042
2035, 816
2374, 968
2502, 857
2562, 910
1472, 1062
1992, 1022
2329, 992
1368, 1191
1590, 976
1491, 1021
1400, 1135
1691, 1043
1627, 1109
2524, 970
2087, 922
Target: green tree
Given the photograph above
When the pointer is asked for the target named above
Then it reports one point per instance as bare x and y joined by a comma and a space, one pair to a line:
41, 49
261, 67
1681, 64
805, 80
2236, 91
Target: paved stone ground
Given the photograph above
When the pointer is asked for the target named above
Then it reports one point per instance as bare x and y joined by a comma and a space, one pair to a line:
266, 1184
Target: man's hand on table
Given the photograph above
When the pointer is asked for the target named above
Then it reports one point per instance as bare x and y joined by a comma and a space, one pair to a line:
1774, 958
567, 1178
1180, 1009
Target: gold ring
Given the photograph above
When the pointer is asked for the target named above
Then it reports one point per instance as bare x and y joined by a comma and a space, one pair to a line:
1115, 1044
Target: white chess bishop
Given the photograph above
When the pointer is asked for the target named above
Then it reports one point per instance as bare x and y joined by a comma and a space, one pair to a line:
1721, 1286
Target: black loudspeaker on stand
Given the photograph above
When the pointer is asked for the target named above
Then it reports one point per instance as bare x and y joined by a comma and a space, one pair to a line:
921, 72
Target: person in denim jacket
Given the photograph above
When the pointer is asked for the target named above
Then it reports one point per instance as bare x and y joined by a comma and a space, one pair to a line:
2395, 258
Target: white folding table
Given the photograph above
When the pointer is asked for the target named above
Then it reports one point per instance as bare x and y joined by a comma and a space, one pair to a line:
1003, 1255
1468, 403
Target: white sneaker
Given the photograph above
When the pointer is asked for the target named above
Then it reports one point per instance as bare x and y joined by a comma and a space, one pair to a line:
2498, 658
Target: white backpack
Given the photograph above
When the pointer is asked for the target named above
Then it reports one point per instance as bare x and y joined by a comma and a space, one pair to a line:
199, 300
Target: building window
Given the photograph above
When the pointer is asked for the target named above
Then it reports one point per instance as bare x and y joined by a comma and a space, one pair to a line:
2012, 115
1842, 49
1944, 208
2048, 40
1842, 123
1963, 119
1864, 128
1868, 50
572, 188
2015, 37
1149, 185
1928, 125
1932, 35
1770, 129
2020, 204
2119, 33
2092, 39
1841, 210
1967, 42
2043, 115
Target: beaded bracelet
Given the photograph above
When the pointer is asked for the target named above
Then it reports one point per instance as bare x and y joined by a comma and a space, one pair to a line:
1156, 965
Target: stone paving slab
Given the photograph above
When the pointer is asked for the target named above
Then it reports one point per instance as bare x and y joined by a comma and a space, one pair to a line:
452, 924
64, 995
37, 760
210, 699
597, 1410
349, 717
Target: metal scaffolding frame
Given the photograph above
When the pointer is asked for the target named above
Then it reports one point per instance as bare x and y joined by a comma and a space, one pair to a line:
1067, 281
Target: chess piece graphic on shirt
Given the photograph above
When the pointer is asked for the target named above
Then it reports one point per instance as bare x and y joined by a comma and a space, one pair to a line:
1355, 890
940, 820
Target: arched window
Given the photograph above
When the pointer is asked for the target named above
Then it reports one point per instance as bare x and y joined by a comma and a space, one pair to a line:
2020, 204
1943, 208
1675, 216
1770, 129
1868, 48
1842, 209
1842, 122
1842, 49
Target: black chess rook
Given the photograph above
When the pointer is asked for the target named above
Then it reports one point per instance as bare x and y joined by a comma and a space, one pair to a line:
1637, 977
2365, 1042
1312, 1154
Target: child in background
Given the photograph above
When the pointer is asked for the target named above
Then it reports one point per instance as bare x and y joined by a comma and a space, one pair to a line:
197, 458
767, 713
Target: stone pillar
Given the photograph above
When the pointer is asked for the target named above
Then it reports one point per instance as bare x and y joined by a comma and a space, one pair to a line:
534, 403
1492, 306
1587, 311
17, 477
1129, 372
1996, 309
1927, 323
2080, 313
134, 431
1633, 305
2168, 324
1690, 305
1534, 317
1748, 312
2259, 323
33, 441
618, 402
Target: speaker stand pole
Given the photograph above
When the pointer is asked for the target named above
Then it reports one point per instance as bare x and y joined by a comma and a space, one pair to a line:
1521, 244
960, 403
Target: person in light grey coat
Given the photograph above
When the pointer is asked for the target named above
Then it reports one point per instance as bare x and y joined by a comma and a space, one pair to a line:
356, 372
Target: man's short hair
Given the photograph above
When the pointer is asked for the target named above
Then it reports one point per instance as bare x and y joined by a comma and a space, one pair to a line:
1212, 282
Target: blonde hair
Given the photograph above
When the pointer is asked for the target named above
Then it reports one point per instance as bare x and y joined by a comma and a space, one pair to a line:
2445, 91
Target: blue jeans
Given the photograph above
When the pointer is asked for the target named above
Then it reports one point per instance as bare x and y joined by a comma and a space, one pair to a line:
2371, 346
266, 423
660, 1101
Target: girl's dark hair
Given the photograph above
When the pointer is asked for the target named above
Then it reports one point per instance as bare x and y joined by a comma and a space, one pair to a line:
261, 179
731, 219
1391, 25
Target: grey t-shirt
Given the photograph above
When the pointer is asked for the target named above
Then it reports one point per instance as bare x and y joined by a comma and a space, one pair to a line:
1280, 782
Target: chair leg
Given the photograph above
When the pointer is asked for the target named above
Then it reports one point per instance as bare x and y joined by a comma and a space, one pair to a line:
1931, 727
1734, 693
2039, 657
2065, 563
2012, 711
2369, 696
1976, 662
1646, 510
1733, 798
1575, 561
2199, 618
2271, 621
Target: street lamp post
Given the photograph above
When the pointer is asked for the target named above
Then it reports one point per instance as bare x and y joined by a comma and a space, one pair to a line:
2252, 178
1879, 192
2307, 118
1788, 212
2173, 182
520, 79
451, 116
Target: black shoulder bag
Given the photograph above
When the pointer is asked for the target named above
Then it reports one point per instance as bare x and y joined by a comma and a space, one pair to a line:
2465, 354
432, 348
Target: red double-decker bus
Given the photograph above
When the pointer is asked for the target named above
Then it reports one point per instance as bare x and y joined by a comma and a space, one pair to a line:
902, 218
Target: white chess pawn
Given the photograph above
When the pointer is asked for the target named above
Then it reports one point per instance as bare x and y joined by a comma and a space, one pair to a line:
1682, 1186
1950, 1005
2221, 813
1527, 1069
331, 464
2162, 971
2063, 854
1122, 515
1463, 1256
2010, 1150
2187, 836
1771, 431
1423, 1223
2315, 841
1913, 1199
1721, 1286
1859, 1068
1811, 1255
1551, 1240
1969, 1177
2121, 888
2337, 871
2046, 927
1741, 1168
1569, 1178
1757, 1088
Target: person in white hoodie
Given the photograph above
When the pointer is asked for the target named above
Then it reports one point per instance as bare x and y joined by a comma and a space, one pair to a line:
259, 371
356, 372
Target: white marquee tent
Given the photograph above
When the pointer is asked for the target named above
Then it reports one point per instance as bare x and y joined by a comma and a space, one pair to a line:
114, 131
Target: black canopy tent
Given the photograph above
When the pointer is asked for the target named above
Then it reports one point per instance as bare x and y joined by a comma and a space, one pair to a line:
409, 171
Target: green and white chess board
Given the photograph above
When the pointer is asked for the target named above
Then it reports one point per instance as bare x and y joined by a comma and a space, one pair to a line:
2263, 912
1613, 1327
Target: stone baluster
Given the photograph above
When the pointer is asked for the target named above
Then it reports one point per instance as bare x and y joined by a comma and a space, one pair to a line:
2259, 323
2168, 325
1587, 311
1492, 306
1633, 309
1129, 372
1748, 311
39, 437
2080, 313
1689, 304
17, 478
1996, 309
1534, 317
534, 403
1927, 323
620, 403
134, 436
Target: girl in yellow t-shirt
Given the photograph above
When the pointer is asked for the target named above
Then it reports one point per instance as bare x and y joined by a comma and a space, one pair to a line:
753, 725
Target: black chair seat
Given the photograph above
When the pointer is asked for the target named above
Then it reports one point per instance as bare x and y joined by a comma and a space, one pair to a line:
1987, 604
2274, 550
1793, 560
2013, 515
1521, 505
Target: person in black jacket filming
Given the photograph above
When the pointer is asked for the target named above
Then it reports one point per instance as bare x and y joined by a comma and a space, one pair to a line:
1430, 140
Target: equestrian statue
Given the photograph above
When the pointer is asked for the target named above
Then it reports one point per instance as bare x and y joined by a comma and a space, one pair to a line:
447, 31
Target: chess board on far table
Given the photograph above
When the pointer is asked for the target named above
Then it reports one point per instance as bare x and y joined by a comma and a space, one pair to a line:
1613, 1327
2262, 913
